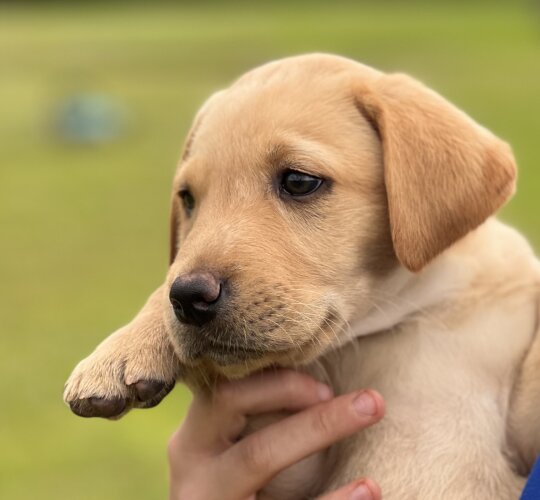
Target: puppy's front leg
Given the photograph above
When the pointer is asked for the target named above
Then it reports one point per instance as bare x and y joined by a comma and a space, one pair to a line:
135, 367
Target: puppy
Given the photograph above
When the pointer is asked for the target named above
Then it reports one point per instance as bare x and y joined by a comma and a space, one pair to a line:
330, 217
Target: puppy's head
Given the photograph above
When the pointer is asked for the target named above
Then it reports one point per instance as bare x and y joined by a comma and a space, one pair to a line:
303, 187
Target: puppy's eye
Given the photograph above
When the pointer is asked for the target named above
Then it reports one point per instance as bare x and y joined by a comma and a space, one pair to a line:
297, 183
187, 200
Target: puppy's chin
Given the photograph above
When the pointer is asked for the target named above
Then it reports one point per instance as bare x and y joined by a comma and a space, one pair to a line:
193, 352
238, 361
230, 360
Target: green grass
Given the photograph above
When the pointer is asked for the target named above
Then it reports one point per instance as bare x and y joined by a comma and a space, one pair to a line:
84, 229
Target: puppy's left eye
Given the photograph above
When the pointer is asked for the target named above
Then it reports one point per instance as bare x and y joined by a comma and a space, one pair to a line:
297, 183
187, 200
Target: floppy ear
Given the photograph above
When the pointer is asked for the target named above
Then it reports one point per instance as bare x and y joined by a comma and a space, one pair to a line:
174, 221
444, 173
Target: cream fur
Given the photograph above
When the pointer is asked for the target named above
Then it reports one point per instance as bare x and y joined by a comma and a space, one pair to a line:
396, 278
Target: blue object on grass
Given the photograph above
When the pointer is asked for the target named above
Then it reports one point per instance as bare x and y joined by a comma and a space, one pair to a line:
532, 488
90, 119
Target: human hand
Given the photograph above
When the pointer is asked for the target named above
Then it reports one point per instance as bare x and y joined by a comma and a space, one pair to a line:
208, 460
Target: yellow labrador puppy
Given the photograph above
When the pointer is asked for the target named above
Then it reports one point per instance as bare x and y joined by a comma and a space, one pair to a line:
331, 217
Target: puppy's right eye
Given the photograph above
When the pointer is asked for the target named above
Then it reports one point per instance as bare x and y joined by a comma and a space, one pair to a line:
187, 200
298, 184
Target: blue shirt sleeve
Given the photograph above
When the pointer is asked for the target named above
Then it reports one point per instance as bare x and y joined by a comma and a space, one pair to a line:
532, 487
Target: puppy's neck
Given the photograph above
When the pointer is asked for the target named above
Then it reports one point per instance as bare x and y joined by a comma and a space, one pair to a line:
478, 267
405, 294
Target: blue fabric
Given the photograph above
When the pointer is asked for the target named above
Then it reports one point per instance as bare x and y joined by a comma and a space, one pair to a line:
532, 488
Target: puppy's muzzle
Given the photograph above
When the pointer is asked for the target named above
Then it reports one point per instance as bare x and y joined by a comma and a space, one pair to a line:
196, 298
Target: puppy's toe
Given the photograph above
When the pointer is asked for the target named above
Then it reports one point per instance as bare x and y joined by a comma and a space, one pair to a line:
98, 407
119, 376
150, 392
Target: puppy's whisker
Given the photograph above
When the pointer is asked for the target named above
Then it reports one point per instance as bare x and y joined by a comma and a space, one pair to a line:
287, 333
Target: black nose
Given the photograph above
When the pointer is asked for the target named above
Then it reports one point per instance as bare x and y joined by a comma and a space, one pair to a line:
195, 298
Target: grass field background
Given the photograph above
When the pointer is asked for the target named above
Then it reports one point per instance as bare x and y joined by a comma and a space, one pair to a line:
84, 228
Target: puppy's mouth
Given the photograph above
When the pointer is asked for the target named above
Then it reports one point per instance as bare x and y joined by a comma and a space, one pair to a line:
224, 353
224, 347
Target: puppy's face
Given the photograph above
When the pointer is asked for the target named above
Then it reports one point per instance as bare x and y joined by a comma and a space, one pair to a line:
282, 227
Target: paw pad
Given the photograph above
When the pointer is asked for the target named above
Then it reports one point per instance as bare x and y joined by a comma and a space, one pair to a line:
145, 394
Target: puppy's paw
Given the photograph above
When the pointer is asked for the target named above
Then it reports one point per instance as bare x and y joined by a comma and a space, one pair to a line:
128, 370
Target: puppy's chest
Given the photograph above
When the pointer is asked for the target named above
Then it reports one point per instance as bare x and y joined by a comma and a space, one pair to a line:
446, 388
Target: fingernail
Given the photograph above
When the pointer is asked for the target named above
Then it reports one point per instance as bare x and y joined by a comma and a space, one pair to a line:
361, 492
364, 404
325, 393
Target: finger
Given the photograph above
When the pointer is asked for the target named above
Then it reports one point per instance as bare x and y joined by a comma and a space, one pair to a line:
270, 391
363, 489
214, 422
260, 456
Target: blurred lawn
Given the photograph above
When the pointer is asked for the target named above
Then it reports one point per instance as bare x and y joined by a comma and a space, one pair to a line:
84, 229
